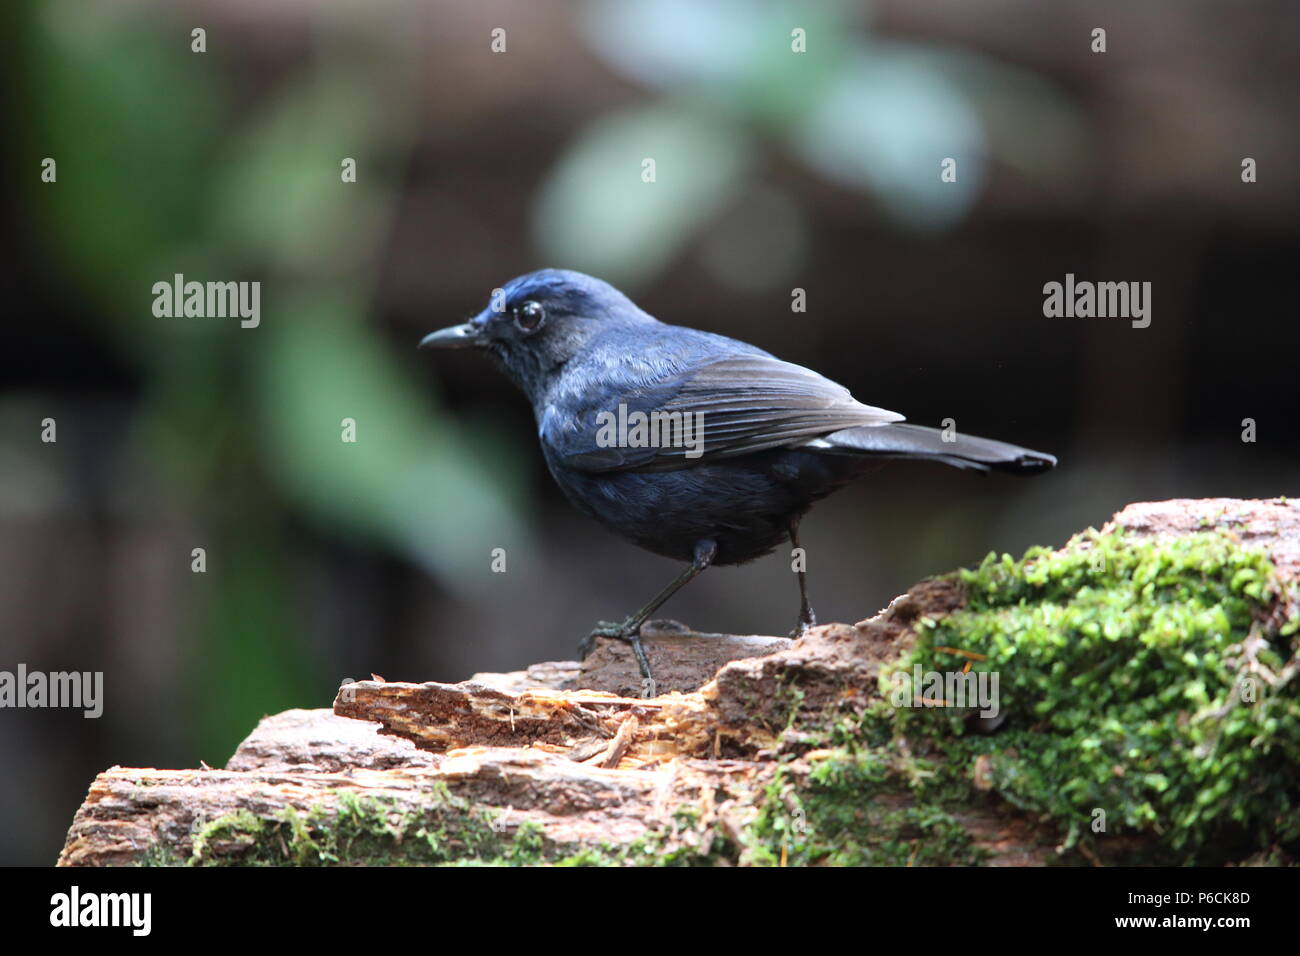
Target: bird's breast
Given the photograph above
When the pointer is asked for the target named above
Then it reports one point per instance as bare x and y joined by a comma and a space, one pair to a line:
745, 504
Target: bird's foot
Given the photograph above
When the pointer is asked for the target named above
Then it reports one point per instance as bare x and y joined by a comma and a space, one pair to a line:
622, 631
630, 631
806, 623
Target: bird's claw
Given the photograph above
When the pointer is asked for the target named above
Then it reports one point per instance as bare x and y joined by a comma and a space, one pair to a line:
630, 631
803, 627
624, 632
608, 629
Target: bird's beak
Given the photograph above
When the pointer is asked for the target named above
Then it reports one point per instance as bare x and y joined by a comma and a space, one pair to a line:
457, 337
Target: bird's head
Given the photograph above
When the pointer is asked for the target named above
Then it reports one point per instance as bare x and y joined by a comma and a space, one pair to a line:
535, 323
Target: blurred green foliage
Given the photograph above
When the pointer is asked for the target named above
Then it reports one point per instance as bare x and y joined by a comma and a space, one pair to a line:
874, 116
159, 173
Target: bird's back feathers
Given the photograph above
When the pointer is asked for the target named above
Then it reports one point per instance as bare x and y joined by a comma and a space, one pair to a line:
746, 401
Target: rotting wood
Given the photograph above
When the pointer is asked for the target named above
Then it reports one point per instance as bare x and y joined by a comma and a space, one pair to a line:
557, 749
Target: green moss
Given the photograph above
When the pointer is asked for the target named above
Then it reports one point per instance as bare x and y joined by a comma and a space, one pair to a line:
853, 808
367, 831
686, 841
1121, 674
606, 855
227, 836
158, 855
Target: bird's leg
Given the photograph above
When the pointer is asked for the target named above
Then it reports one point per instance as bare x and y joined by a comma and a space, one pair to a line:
630, 630
807, 618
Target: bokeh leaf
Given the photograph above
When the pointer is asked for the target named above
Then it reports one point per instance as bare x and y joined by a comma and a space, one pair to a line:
886, 125
410, 480
595, 213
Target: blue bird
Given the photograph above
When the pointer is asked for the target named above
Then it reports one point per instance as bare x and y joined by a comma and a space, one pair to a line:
692, 445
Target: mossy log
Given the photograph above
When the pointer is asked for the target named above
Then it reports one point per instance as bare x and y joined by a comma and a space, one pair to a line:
1144, 711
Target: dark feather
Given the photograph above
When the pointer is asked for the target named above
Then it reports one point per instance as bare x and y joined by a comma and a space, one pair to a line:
917, 441
749, 403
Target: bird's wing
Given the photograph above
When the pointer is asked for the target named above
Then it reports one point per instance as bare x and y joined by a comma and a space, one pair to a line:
731, 406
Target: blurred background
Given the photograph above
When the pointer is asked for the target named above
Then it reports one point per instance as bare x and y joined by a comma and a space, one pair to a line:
776, 170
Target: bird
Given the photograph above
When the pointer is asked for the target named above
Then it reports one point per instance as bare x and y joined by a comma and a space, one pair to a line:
689, 444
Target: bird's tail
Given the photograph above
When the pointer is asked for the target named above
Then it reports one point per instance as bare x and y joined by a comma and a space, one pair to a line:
916, 441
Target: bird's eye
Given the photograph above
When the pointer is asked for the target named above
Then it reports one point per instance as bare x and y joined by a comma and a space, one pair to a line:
529, 316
